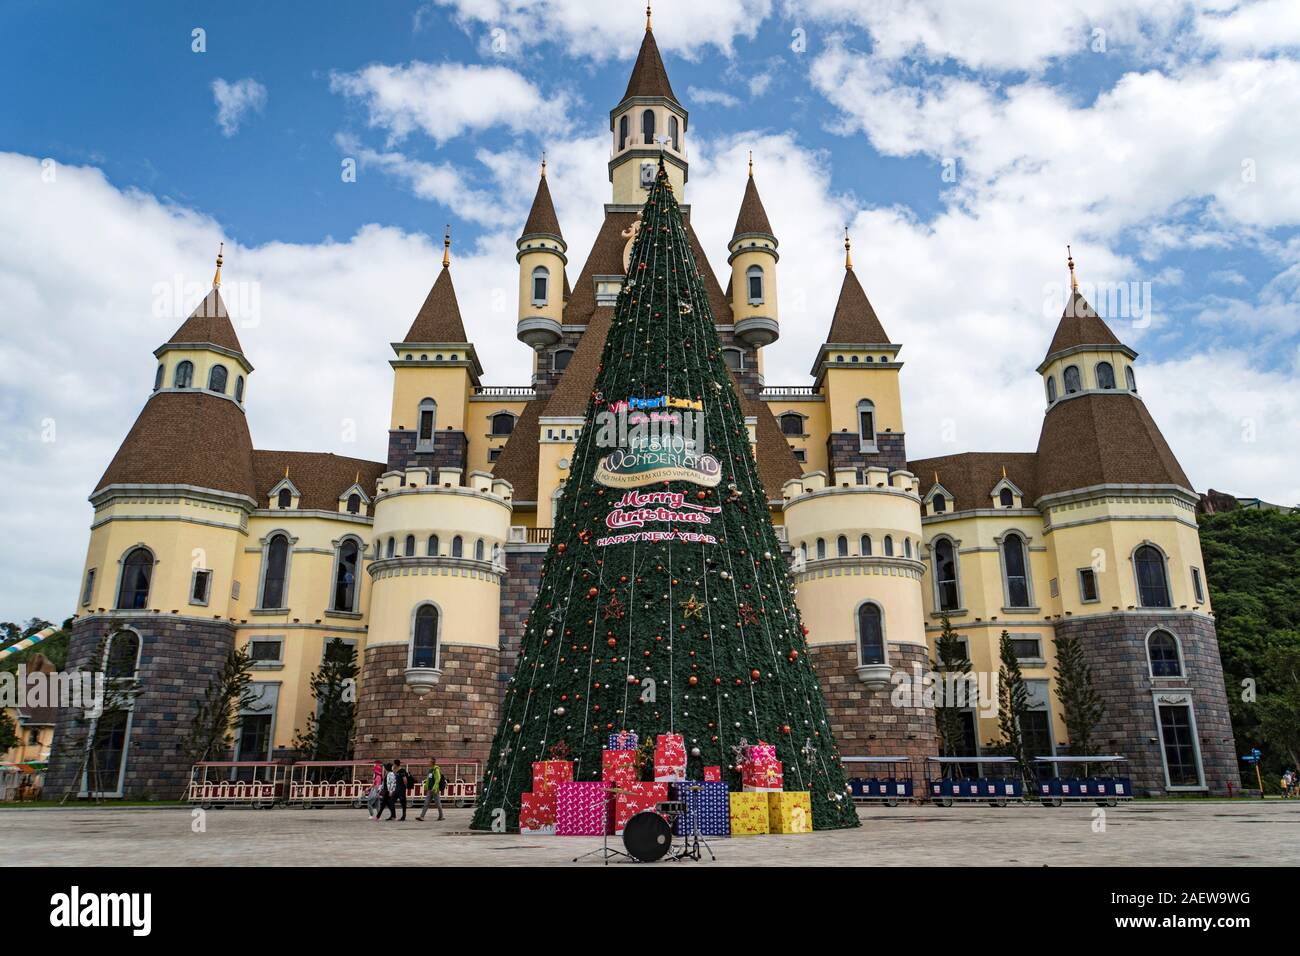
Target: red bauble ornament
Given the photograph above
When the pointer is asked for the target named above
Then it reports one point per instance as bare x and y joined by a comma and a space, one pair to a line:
692, 680
785, 729
612, 642
592, 592
792, 656
755, 674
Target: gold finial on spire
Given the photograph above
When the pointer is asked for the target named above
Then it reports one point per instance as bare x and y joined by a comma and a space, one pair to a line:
286, 471
357, 479
543, 164
1069, 261
751, 164
848, 254
936, 478
1004, 471
216, 279
647, 17
446, 247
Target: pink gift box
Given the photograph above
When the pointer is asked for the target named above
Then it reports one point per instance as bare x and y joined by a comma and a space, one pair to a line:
583, 808
670, 758
537, 813
619, 767
644, 796
761, 752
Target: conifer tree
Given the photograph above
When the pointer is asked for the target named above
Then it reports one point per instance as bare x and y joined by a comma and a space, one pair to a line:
329, 731
1081, 704
1013, 703
953, 668
664, 604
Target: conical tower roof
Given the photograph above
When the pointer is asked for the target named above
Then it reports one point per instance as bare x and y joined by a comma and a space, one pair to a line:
855, 321
649, 78
542, 220
439, 318
209, 323
752, 219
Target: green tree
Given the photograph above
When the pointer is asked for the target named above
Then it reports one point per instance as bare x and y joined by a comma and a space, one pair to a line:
1279, 708
8, 733
1082, 704
664, 605
329, 731
1013, 704
216, 719
54, 648
953, 667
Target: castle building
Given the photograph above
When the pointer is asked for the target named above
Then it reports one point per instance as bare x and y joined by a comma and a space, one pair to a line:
427, 562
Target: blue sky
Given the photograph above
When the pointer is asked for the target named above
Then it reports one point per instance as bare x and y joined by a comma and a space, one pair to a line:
1158, 137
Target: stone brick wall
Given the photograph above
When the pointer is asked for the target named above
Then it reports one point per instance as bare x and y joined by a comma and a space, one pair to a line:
751, 383
178, 658
842, 452
546, 378
518, 590
455, 721
864, 721
450, 450
1115, 645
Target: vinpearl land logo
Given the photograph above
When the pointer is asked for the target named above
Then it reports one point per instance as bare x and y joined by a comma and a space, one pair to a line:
76, 909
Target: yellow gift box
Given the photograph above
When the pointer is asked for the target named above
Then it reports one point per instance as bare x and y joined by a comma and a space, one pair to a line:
789, 812
749, 814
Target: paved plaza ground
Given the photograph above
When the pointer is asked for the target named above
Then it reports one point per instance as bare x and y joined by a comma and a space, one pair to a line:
1185, 833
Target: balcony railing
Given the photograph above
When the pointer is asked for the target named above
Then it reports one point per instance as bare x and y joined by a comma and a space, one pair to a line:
539, 535
788, 391
505, 391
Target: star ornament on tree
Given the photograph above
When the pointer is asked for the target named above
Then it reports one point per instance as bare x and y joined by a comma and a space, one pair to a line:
692, 607
747, 614
614, 610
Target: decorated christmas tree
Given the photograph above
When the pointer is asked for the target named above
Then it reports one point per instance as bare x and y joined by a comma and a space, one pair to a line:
665, 605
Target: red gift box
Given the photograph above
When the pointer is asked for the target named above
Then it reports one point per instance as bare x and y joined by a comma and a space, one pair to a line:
644, 796
549, 774
712, 774
537, 813
755, 777
619, 767
670, 757
583, 808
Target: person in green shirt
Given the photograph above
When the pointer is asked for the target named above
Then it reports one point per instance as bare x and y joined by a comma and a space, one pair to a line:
434, 781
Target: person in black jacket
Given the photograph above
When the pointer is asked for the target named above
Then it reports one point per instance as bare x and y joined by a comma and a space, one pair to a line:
399, 793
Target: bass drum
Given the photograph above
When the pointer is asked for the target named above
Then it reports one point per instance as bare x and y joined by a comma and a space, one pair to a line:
647, 836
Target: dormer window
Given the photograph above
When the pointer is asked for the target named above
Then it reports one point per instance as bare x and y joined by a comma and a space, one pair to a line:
939, 504
1006, 498
354, 503
754, 280
284, 499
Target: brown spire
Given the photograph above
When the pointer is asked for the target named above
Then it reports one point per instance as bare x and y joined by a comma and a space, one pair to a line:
439, 318
855, 321
209, 323
542, 220
753, 217
649, 78
1079, 324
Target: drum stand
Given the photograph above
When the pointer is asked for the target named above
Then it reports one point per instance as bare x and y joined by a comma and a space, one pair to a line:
691, 841
604, 849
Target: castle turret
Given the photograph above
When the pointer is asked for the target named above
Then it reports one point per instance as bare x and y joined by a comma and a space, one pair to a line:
434, 374
541, 257
753, 259
647, 122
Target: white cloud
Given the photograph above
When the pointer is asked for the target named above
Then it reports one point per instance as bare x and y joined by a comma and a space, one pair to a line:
699, 97
444, 100
1252, 27
235, 101
592, 30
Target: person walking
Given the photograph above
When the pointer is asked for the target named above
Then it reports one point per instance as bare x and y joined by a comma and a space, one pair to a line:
387, 791
398, 780
375, 798
434, 783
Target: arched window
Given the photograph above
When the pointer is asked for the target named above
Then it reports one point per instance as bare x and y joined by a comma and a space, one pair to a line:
424, 637
479, 550
432, 547
284, 499
622, 131
803, 551
672, 131
821, 548
428, 416
1015, 570
945, 575
1162, 652
907, 547
457, 547
842, 547
345, 575
889, 546
1072, 382
939, 504
217, 379
1130, 378
1051, 388
503, 423
867, 425
864, 546
648, 126
541, 283
734, 358
409, 548
871, 634
1005, 498
275, 566
1105, 375
754, 284
391, 548
137, 573
792, 424
1152, 581
560, 359
184, 375
239, 388
354, 503
122, 656
158, 378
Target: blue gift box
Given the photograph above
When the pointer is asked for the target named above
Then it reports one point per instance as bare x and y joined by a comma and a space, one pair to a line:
711, 801
626, 740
